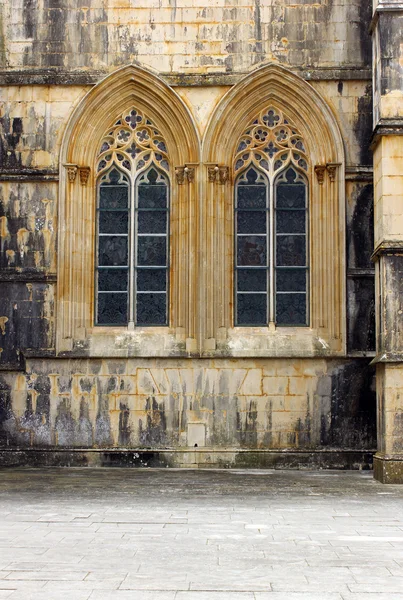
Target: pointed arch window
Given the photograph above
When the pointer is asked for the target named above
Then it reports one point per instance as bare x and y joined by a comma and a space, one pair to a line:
132, 258
271, 224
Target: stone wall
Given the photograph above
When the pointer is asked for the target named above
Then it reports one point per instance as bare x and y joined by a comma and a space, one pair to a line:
174, 404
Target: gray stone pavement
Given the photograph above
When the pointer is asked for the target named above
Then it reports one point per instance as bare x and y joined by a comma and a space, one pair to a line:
128, 534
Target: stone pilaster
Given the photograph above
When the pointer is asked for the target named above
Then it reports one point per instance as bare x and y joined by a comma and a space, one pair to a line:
387, 25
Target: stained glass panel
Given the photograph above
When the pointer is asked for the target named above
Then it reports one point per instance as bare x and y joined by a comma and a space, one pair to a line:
112, 280
151, 309
251, 196
251, 250
251, 309
251, 221
152, 221
252, 280
291, 250
113, 196
152, 196
112, 251
151, 250
290, 221
112, 309
111, 221
290, 195
151, 280
291, 280
291, 309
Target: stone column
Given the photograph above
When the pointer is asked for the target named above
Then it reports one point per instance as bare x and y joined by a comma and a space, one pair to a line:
387, 27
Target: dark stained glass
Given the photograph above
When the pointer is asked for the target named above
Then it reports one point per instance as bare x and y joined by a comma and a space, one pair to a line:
251, 309
291, 309
251, 196
251, 221
111, 221
290, 221
112, 251
113, 196
152, 196
252, 280
290, 195
291, 280
152, 221
151, 309
151, 250
251, 250
112, 309
151, 280
112, 280
291, 250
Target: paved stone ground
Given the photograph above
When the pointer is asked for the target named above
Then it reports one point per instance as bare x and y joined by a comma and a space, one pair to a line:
127, 534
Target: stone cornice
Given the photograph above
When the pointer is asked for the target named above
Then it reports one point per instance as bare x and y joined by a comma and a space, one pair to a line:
89, 78
386, 127
385, 7
387, 247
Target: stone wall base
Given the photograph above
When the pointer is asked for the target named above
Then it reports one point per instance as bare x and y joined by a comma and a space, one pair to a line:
388, 468
187, 458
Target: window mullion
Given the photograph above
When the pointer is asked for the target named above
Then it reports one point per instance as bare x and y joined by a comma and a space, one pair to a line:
132, 255
271, 257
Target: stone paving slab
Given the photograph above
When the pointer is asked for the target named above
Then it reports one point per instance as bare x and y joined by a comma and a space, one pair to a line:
128, 534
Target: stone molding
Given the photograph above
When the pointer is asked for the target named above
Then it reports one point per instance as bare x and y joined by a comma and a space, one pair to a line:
278, 87
76, 333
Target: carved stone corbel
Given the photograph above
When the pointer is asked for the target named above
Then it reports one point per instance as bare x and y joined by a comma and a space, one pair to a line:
332, 170
183, 174
218, 174
84, 175
320, 173
71, 171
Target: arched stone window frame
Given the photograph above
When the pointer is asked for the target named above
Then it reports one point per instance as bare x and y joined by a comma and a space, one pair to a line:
76, 333
275, 86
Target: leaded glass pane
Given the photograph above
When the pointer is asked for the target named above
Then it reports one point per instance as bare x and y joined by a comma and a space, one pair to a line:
152, 196
151, 250
151, 309
251, 221
152, 280
291, 250
252, 280
112, 309
251, 196
152, 221
112, 280
290, 195
113, 196
291, 309
251, 250
291, 280
112, 251
290, 221
111, 221
251, 309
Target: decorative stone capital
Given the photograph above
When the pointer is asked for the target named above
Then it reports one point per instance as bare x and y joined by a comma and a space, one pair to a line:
183, 174
332, 170
320, 173
218, 174
71, 171
84, 175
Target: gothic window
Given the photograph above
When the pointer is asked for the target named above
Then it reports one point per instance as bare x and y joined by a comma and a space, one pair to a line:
132, 225
271, 224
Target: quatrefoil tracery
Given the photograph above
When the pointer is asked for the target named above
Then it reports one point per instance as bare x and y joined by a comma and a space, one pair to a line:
133, 144
271, 142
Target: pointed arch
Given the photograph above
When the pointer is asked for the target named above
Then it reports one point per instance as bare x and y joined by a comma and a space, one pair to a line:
273, 88
130, 87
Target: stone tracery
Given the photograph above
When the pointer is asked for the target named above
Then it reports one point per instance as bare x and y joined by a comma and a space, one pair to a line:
271, 142
133, 143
